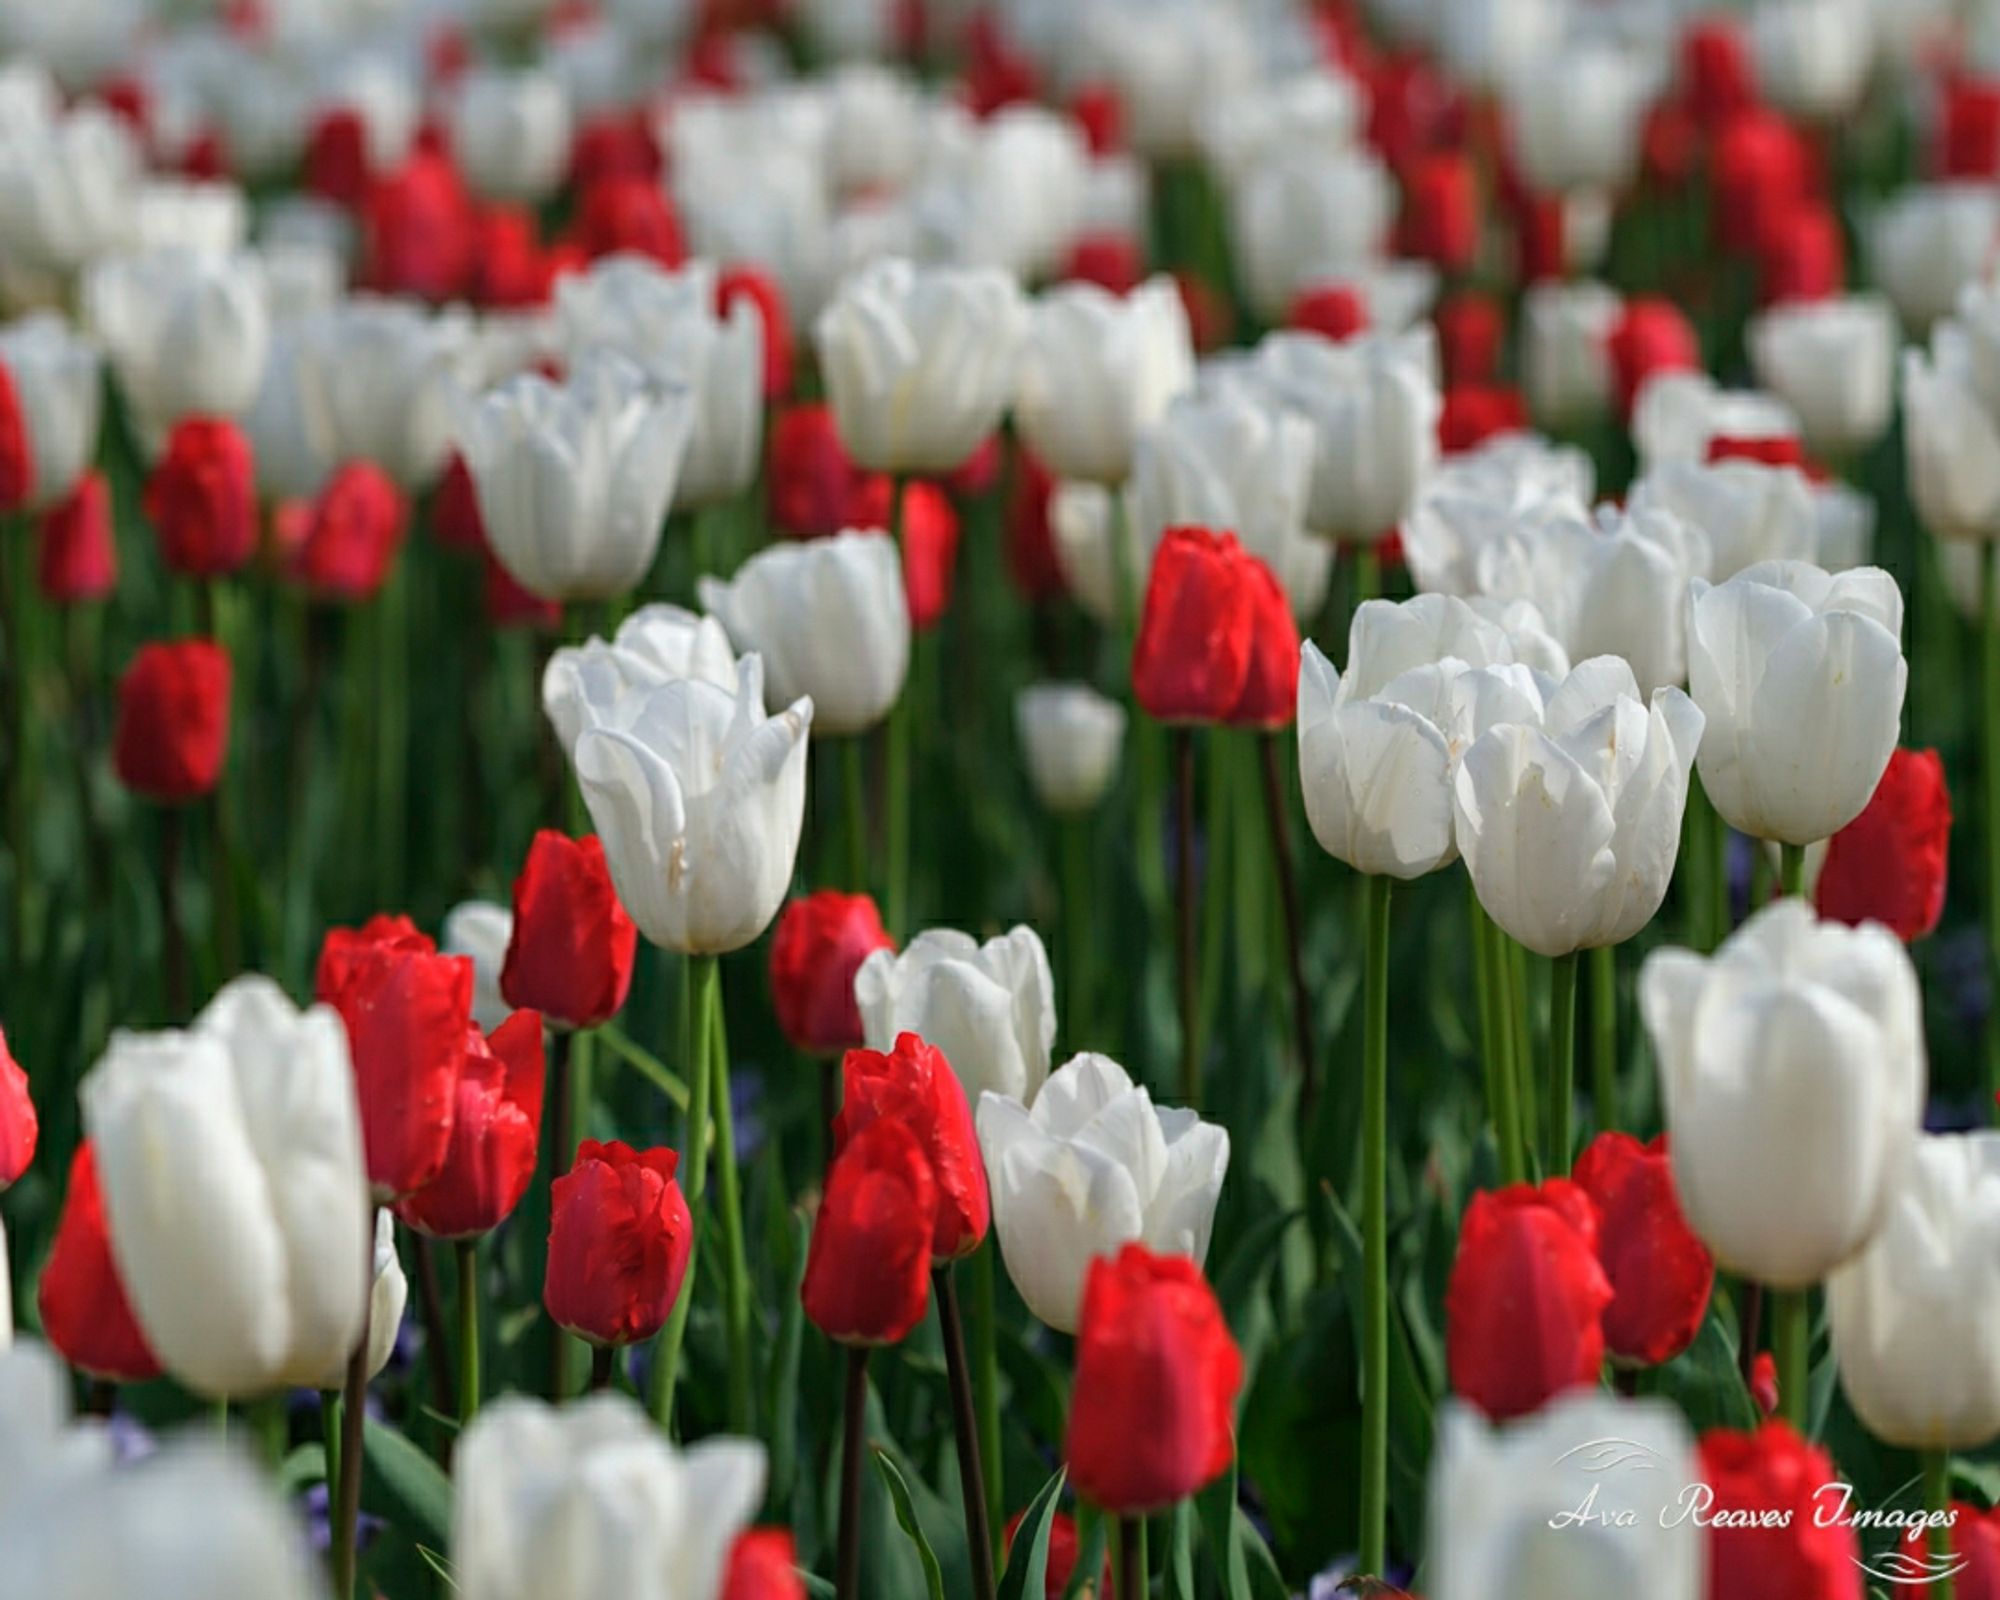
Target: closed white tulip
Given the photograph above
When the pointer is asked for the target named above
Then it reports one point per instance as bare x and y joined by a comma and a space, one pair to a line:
66, 190
991, 1007
511, 133
1104, 555
1834, 363
1951, 441
1678, 415
388, 1296
1565, 363
1792, 1070
1318, 108
1096, 369
1303, 218
1004, 192
381, 379
831, 621
1801, 677
589, 1499
1750, 511
1373, 403
1929, 241
1915, 1317
1071, 736
1844, 526
1575, 113
187, 333
1092, 1167
1570, 828
1498, 1497
234, 1191
1167, 63
1378, 745
668, 324
481, 930
583, 684
207, 218
919, 362
699, 797
1813, 56
574, 479
1507, 486
60, 389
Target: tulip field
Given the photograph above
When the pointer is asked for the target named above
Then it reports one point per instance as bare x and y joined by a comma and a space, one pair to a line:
999, 799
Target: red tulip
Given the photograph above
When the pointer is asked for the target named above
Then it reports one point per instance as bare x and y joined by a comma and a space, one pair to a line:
1794, 1557
417, 230
78, 553
1802, 255
173, 720
930, 551
1888, 865
762, 291
455, 521
1065, 1546
1968, 140
915, 1085
1541, 238
407, 1011
17, 457
1470, 329
19, 1126
1099, 111
202, 498
763, 1565
1472, 415
1333, 311
1106, 257
613, 144
1770, 450
1661, 1275
1193, 652
813, 483
619, 1241
510, 270
1651, 336
1030, 539
1759, 169
1151, 1416
1525, 1306
355, 529
1441, 210
508, 605
1975, 1541
337, 157
820, 944
495, 1126
1271, 684
573, 944
620, 214
84, 1309
1764, 1382
868, 1269
1718, 70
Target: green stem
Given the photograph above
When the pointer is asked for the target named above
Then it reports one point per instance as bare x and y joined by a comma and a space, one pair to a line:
856, 799
1791, 1343
1604, 1034
985, 1332
1562, 1059
1502, 1099
1511, 962
468, 1332
1937, 1501
896, 781
346, 1500
1375, 1232
1792, 869
1989, 755
965, 1431
1184, 896
696, 989
735, 1264
1075, 853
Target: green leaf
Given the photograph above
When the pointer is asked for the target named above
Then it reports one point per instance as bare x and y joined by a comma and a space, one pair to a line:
647, 1065
1026, 1577
1217, 1507
437, 1564
306, 1464
413, 1481
906, 1519
1180, 1564
818, 1587
1093, 1533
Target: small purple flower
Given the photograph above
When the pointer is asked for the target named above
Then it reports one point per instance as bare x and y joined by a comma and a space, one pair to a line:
319, 1520
131, 1439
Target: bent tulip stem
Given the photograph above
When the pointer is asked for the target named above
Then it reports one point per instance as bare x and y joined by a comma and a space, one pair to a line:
1184, 893
468, 1331
1288, 900
1562, 1059
735, 1264
1937, 1501
353, 1411
1791, 1342
698, 977
1604, 1035
965, 1428
848, 1586
1375, 1231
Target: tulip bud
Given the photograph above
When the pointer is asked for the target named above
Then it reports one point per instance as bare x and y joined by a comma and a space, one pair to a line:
1660, 1273
1951, 441
1071, 736
1440, 221
1801, 677
1525, 1307
619, 1241
202, 498
1768, 1526
388, 1298
1148, 1173
626, 214
1889, 864
571, 948
1154, 1359
496, 1122
257, 1099
187, 332
1833, 361
1651, 337
989, 1007
914, 1085
867, 1278
763, 1565
1788, 1011
821, 942
78, 548
1192, 659
930, 549
481, 931
830, 620
173, 720
511, 132
1927, 242
19, 1127
1065, 1549
417, 230
546, 1498
406, 1010
81, 1299
51, 405
356, 529
699, 799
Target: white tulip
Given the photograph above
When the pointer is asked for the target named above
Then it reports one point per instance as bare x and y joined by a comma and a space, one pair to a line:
989, 1007
481, 930
919, 362
1317, 109
1235, 460
1801, 676
60, 390
1951, 441
667, 323
511, 133
182, 214
1499, 1497
1813, 56
1929, 241
1833, 362
1508, 484
1575, 114
1071, 736
699, 798
1005, 192
388, 1296
380, 379
66, 190
1166, 62
380, 91
765, 206
590, 1499
1676, 416
187, 333
583, 684
1104, 555
1752, 512
574, 479
1844, 526
875, 127
831, 621
1378, 746
234, 1191
1301, 218
1565, 364
1792, 1069
1098, 368
1570, 825
1490, 42
1915, 1317
1373, 405
1094, 1166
